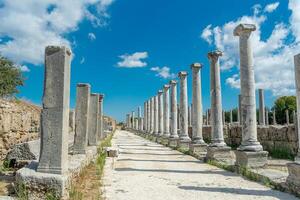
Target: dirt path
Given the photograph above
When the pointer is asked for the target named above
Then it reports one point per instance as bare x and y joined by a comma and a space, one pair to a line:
146, 170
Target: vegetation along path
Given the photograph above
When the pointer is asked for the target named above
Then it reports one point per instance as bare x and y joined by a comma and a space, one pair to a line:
146, 170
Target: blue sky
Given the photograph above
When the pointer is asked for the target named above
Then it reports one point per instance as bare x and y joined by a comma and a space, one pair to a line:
127, 49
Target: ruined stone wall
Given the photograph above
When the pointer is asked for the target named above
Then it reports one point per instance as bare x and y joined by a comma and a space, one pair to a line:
278, 137
19, 122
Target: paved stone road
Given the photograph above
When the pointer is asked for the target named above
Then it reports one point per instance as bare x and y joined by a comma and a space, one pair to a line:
146, 170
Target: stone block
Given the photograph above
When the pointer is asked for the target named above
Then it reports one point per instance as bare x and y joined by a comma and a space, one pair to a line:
293, 180
198, 150
159, 139
112, 152
173, 142
223, 155
184, 145
165, 141
251, 159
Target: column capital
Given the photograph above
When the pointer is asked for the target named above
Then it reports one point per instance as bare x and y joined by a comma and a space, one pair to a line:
83, 85
196, 66
214, 55
159, 92
54, 49
94, 94
243, 29
166, 87
182, 74
173, 82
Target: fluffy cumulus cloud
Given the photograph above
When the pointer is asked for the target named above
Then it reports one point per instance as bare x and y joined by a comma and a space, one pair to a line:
163, 72
28, 26
133, 60
92, 36
273, 56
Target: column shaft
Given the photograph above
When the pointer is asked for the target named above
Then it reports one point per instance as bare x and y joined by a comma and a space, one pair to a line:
184, 108
173, 133
262, 117
166, 100
160, 113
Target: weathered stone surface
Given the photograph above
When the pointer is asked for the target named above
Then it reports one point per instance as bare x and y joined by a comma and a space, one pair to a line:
293, 179
112, 152
55, 112
198, 150
221, 154
251, 159
82, 114
173, 142
93, 120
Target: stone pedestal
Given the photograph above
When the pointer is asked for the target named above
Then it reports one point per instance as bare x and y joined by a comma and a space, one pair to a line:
251, 159
184, 145
159, 139
165, 141
173, 142
198, 150
293, 180
223, 155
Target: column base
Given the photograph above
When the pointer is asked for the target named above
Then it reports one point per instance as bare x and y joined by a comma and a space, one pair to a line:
293, 180
251, 159
159, 139
184, 144
165, 140
198, 150
173, 142
153, 138
255, 146
222, 154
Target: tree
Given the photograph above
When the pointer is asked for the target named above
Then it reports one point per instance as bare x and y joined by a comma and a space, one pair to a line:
10, 78
281, 105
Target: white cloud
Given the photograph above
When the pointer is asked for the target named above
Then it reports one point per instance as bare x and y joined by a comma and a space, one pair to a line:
29, 26
23, 68
207, 34
92, 36
273, 57
271, 7
163, 72
133, 60
82, 60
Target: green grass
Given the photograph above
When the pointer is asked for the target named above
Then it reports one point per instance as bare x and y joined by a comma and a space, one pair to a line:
5, 166
282, 152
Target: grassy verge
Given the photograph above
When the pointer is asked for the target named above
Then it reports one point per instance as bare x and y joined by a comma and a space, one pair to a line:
282, 152
87, 185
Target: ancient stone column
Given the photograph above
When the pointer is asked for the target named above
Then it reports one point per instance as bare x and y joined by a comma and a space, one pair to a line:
72, 120
262, 118
287, 117
223, 118
190, 116
274, 117
239, 114
267, 116
132, 119
248, 107
166, 113
160, 113
101, 131
216, 100
139, 118
294, 117
155, 115
178, 118
82, 113
145, 116
152, 115
197, 124
230, 117
184, 138
127, 120
148, 116
173, 133
93, 120
54, 115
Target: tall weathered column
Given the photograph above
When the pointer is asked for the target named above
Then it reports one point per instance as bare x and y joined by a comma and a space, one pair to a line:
189, 116
287, 117
139, 118
160, 114
145, 117
294, 167
54, 116
93, 120
262, 117
198, 145
173, 135
151, 115
166, 100
274, 117
249, 127
148, 117
82, 114
184, 139
267, 116
101, 131
230, 117
155, 115
72, 120
217, 149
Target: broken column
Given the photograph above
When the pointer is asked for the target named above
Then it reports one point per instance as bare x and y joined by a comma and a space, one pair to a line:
198, 146
294, 167
54, 116
261, 107
230, 117
82, 118
274, 117
184, 139
217, 149
93, 120
173, 127
101, 131
267, 117
250, 153
72, 120
166, 100
287, 117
